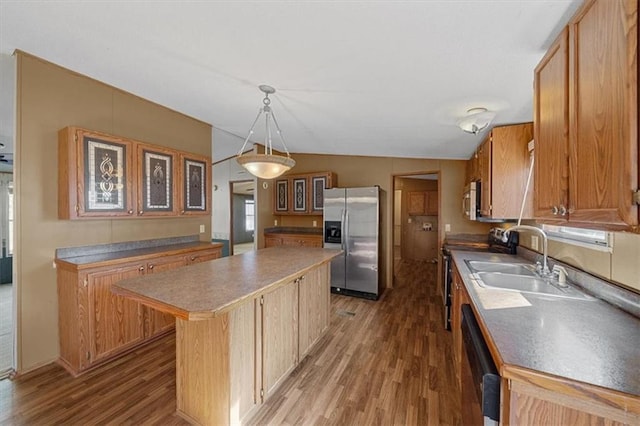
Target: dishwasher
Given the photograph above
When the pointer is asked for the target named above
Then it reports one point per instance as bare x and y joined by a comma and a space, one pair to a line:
480, 378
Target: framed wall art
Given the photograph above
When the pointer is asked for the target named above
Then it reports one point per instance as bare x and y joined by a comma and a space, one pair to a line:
282, 195
195, 185
105, 175
157, 181
300, 195
318, 184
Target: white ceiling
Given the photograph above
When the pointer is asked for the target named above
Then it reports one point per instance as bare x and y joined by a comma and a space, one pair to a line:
381, 78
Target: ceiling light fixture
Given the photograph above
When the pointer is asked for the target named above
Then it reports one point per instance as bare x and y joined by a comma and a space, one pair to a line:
267, 165
476, 120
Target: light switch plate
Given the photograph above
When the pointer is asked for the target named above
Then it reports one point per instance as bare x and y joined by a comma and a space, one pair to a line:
202, 229
447, 227
315, 223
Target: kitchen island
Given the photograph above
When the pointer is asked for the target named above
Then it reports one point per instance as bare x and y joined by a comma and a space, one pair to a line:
243, 323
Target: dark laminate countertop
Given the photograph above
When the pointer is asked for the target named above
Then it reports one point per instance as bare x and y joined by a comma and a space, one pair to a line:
586, 341
133, 254
208, 289
293, 230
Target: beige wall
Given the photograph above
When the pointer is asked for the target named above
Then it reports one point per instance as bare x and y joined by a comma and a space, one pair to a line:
50, 98
354, 171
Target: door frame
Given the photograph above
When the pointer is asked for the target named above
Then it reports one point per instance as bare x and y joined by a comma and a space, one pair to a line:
255, 204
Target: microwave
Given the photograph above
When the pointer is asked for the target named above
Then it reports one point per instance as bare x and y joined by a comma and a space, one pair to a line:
471, 200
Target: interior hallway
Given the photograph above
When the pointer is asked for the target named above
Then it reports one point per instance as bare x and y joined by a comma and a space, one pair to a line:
385, 362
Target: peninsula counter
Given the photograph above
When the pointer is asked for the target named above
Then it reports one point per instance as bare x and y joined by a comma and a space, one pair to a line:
243, 323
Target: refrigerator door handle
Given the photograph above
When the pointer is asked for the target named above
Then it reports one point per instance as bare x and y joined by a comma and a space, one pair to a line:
343, 235
346, 232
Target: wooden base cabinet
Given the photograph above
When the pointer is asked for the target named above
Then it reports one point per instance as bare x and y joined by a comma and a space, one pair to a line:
96, 325
297, 240
227, 366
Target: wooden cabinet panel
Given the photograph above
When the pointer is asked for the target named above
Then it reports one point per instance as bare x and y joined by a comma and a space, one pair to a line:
314, 299
431, 208
116, 323
244, 352
459, 298
417, 201
603, 111
590, 182
203, 256
504, 162
280, 335
296, 240
551, 88
96, 175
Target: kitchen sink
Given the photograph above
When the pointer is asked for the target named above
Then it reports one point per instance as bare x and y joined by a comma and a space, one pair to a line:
527, 284
505, 268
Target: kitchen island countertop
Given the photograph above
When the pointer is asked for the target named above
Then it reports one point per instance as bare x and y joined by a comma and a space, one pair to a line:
208, 289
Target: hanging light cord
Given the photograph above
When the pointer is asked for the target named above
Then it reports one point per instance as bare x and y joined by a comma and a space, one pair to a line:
268, 149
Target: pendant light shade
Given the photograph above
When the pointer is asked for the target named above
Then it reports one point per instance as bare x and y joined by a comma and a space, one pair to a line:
267, 165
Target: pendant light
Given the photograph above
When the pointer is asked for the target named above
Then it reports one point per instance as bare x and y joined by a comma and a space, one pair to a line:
267, 165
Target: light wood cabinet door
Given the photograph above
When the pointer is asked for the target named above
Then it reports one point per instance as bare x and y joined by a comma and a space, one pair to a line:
416, 203
551, 128
459, 297
314, 299
96, 175
115, 323
431, 208
603, 107
157, 322
272, 241
484, 164
279, 335
244, 369
203, 256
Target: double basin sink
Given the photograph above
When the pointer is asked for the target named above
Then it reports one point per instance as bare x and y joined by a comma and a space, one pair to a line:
520, 277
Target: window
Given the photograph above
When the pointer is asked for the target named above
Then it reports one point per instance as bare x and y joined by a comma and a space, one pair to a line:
589, 238
249, 215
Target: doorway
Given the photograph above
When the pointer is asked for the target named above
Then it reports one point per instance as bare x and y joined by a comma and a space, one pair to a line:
416, 218
7, 314
243, 216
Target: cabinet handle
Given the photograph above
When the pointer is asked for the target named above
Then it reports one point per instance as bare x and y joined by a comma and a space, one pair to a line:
141, 268
181, 211
141, 212
130, 211
193, 258
563, 211
554, 210
150, 266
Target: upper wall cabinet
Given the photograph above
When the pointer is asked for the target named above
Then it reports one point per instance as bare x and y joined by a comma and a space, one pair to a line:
586, 114
106, 176
502, 167
302, 193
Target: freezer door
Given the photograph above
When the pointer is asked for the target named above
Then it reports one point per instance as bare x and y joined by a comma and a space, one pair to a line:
334, 211
361, 238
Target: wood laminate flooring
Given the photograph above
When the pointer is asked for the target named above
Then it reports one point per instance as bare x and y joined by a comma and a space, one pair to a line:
387, 362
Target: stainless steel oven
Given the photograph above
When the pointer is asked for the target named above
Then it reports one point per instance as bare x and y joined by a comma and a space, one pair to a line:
480, 378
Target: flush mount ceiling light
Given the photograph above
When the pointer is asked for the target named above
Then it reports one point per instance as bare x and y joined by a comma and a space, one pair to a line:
267, 165
476, 120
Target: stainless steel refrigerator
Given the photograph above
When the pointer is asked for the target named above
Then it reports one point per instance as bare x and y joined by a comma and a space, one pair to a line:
351, 223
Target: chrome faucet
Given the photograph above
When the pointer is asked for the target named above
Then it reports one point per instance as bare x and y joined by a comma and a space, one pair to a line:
545, 266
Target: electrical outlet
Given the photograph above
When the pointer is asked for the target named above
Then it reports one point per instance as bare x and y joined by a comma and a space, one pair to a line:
447, 227
275, 222
534, 242
315, 223
409, 220
202, 229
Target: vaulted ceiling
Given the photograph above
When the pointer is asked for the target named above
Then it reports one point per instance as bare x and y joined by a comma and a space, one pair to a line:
381, 78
